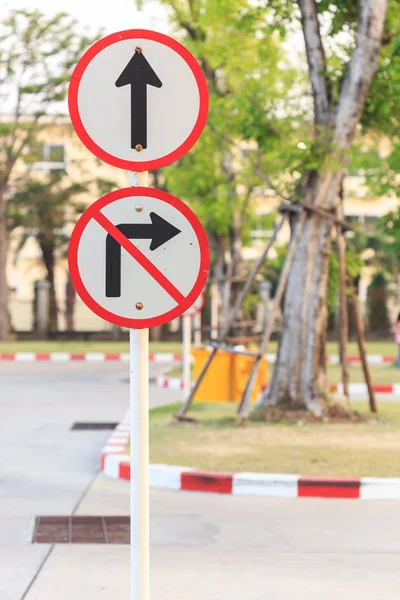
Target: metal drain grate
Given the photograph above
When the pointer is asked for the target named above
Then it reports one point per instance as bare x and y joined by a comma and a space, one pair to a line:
83, 426
82, 530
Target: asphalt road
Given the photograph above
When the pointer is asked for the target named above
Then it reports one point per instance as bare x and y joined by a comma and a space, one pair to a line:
203, 547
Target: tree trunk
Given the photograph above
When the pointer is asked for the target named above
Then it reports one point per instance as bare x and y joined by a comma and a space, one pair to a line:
231, 289
48, 252
70, 298
4, 320
299, 376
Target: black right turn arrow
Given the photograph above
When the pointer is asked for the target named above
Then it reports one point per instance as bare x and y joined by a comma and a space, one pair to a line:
138, 74
159, 231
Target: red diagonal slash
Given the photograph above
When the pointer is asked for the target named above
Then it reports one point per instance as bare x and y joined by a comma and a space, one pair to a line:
139, 257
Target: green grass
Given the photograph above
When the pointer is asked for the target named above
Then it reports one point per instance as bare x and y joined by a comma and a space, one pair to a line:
379, 374
385, 374
388, 348
385, 348
81, 347
215, 442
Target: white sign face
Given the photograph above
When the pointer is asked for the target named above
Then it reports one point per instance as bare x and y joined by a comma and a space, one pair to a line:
138, 257
138, 100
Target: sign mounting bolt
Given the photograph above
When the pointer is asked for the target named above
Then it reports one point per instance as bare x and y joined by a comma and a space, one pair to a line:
138, 147
139, 305
139, 50
138, 208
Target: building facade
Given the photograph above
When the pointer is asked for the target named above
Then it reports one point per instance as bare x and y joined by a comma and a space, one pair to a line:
60, 149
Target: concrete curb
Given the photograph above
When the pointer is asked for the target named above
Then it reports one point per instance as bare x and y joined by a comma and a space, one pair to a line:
355, 389
115, 464
62, 357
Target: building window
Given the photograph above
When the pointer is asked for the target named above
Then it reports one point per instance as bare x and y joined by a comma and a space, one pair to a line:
264, 223
369, 221
54, 153
352, 219
49, 157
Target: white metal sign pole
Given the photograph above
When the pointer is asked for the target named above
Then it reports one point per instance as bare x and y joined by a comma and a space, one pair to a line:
187, 335
139, 445
197, 332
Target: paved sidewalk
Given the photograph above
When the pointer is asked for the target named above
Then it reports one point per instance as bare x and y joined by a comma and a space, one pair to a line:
216, 548
45, 467
203, 546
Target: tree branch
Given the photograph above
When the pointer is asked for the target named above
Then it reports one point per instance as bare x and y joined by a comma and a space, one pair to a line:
17, 114
316, 60
27, 138
254, 164
270, 183
362, 68
197, 35
245, 204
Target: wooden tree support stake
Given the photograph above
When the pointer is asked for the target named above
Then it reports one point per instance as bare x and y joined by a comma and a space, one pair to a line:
344, 321
268, 330
327, 215
238, 304
361, 345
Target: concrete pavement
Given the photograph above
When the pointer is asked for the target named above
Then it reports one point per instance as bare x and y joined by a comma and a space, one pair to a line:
203, 547
45, 468
217, 548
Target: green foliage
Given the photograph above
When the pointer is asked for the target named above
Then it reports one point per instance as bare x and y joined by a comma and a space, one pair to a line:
353, 265
37, 55
259, 96
382, 110
250, 304
246, 141
378, 315
389, 229
44, 207
261, 132
41, 207
381, 116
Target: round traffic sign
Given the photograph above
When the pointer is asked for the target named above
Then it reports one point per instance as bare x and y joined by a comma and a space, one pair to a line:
138, 100
138, 257
197, 306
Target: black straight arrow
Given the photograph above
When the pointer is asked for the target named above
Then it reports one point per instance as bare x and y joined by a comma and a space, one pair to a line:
159, 231
138, 74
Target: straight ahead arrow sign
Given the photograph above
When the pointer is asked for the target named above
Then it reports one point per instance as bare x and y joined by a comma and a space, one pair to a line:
159, 231
138, 74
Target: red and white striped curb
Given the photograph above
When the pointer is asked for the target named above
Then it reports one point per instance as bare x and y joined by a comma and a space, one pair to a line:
115, 464
334, 359
60, 357
170, 383
161, 357
355, 389
113, 460
360, 389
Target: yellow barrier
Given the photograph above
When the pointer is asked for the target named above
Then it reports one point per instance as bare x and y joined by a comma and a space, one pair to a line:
217, 384
227, 376
242, 370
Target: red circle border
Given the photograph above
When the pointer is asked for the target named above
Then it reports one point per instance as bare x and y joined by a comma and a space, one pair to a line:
76, 120
198, 310
102, 312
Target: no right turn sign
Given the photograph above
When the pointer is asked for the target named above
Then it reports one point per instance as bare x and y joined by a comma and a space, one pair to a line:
139, 257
